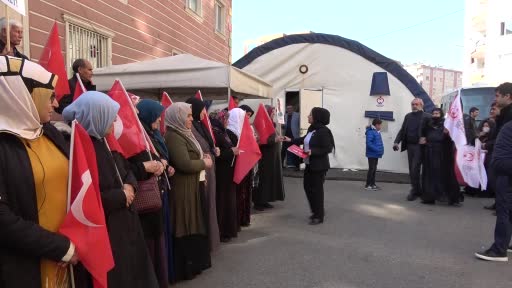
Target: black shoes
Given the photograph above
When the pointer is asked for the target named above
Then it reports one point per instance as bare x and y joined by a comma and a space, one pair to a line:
490, 207
316, 221
267, 206
262, 207
428, 202
509, 250
491, 255
412, 197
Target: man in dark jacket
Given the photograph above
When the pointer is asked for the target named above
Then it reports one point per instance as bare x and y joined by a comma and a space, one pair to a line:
502, 167
470, 125
16, 35
504, 103
83, 68
410, 135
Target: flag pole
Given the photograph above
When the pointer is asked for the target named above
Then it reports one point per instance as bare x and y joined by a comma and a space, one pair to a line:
238, 144
70, 175
80, 81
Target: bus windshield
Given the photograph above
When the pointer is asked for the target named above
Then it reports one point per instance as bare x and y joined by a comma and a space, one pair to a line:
480, 98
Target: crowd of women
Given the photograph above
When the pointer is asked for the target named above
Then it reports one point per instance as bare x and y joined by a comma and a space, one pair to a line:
202, 206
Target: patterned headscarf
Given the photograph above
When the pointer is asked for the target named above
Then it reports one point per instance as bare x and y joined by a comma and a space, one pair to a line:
176, 116
25, 92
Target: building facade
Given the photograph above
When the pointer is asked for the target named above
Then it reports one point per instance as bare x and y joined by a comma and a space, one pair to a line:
110, 32
487, 42
436, 81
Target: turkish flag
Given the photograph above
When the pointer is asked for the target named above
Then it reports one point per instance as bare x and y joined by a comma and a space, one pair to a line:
127, 128
231, 103
250, 152
263, 124
79, 88
51, 59
114, 145
85, 223
166, 102
206, 120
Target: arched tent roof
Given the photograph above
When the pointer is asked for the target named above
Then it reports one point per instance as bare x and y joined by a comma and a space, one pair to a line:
385, 63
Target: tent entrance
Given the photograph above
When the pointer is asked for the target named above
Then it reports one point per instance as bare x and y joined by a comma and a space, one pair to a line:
308, 99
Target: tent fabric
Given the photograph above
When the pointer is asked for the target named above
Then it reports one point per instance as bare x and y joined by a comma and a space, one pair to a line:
385, 63
181, 72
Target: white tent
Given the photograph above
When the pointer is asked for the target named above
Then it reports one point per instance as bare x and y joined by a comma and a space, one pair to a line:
182, 75
336, 73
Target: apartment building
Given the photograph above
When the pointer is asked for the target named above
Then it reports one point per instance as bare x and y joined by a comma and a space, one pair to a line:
436, 81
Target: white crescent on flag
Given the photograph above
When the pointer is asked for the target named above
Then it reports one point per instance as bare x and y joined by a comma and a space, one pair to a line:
118, 127
77, 206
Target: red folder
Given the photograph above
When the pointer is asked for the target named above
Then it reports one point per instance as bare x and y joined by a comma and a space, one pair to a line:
298, 151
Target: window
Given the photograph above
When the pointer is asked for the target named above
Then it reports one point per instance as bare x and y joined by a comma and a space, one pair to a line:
195, 6
428, 78
88, 42
220, 17
506, 28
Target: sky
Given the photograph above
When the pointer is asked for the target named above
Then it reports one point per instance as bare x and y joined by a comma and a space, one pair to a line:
438, 42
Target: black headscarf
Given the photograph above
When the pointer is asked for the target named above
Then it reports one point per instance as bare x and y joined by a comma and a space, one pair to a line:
438, 121
197, 107
247, 109
321, 118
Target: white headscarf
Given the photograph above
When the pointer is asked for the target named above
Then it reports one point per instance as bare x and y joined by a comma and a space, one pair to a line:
176, 116
236, 121
95, 111
18, 112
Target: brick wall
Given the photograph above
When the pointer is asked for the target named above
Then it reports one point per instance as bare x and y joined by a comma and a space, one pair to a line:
143, 29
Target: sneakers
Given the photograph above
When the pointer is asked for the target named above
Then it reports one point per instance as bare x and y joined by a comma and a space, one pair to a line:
370, 188
490, 255
509, 250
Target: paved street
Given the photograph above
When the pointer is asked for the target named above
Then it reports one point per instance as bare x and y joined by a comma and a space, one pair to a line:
369, 239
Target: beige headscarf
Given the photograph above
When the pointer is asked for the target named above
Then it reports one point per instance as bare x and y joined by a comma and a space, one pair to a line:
176, 116
19, 107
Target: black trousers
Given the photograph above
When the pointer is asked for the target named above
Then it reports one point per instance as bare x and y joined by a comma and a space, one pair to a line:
372, 170
415, 155
314, 188
503, 228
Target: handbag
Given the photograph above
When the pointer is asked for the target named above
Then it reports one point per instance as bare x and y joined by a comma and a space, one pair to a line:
148, 197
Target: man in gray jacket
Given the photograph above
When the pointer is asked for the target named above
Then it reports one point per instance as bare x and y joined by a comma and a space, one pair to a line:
292, 131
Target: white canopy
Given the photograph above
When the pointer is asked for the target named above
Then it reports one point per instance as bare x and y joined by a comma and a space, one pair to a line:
182, 75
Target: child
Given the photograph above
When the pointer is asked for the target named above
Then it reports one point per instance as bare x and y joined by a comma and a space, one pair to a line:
374, 151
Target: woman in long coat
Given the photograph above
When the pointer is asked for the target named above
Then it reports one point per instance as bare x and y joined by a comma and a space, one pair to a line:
96, 112
191, 247
244, 189
205, 139
226, 193
270, 182
144, 166
33, 163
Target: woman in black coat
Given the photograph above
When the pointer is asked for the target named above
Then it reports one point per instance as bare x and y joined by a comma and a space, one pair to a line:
318, 143
96, 112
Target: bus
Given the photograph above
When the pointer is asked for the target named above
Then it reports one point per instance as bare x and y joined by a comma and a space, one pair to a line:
479, 97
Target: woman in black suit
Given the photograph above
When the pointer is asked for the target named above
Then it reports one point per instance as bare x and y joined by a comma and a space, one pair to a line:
318, 143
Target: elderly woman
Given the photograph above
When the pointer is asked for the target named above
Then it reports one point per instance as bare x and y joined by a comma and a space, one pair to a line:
270, 184
33, 180
439, 181
96, 112
144, 166
191, 247
204, 138
226, 194
243, 190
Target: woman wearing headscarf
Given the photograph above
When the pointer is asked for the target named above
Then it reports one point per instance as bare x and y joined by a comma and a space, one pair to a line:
204, 138
226, 193
318, 144
243, 190
191, 247
96, 112
270, 182
439, 181
33, 180
144, 166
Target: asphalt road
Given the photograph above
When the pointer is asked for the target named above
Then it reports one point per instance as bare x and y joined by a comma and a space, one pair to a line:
369, 239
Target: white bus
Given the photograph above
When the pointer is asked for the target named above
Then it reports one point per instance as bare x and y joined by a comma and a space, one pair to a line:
479, 97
